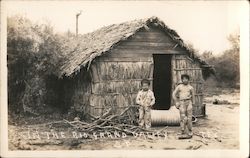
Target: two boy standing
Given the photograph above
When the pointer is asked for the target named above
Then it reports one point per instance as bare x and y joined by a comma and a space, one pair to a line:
183, 95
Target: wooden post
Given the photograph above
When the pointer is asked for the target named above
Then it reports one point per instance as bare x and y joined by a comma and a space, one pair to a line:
77, 15
76, 25
151, 74
174, 77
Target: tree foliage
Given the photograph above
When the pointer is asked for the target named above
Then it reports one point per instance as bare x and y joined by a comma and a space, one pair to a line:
33, 52
227, 64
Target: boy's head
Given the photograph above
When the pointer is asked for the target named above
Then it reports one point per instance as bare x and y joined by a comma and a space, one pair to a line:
185, 78
145, 84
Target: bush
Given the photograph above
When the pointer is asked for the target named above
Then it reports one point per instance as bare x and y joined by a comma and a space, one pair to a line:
227, 65
33, 52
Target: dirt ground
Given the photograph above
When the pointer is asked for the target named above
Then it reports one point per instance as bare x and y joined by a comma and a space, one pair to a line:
218, 130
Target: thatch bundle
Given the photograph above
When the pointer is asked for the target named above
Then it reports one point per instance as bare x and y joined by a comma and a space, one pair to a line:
119, 86
99, 103
123, 70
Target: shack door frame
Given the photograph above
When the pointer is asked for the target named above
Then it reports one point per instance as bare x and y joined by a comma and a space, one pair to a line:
162, 81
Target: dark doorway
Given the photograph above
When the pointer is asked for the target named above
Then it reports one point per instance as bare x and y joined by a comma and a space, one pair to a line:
162, 82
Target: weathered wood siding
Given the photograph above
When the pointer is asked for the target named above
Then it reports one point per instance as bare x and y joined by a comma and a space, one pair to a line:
145, 43
182, 64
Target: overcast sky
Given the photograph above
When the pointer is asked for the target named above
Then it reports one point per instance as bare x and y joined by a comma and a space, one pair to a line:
205, 24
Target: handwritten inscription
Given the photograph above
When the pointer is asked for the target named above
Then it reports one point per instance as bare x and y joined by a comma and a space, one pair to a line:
82, 135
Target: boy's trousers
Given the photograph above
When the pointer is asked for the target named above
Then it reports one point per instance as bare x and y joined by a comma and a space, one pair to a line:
186, 114
145, 116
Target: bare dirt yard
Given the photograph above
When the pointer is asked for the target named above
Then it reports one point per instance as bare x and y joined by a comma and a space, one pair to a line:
218, 130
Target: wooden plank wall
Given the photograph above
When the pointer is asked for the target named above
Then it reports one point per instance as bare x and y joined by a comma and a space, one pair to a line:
182, 64
145, 43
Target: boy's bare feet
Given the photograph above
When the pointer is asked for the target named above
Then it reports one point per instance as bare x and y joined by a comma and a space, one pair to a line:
190, 133
181, 133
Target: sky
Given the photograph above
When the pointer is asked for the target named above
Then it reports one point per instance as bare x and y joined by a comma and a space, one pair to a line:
204, 24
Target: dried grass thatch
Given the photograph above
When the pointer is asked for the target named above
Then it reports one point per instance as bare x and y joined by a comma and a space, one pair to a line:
112, 70
82, 50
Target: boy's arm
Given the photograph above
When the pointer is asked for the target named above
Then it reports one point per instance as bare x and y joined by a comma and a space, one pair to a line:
152, 99
175, 93
138, 98
193, 96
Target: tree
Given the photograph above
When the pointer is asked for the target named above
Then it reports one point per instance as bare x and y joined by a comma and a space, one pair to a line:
190, 46
207, 55
22, 44
227, 64
34, 52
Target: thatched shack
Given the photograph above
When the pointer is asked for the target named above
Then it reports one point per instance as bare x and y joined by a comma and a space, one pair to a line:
104, 68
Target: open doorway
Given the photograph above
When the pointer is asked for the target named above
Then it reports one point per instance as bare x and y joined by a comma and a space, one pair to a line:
162, 81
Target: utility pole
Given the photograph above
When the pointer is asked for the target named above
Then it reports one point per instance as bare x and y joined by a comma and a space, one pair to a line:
77, 15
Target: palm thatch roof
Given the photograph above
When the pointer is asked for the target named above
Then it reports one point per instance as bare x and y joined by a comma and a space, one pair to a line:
80, 51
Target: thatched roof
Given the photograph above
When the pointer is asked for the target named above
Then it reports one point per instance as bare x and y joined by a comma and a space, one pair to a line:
81, 51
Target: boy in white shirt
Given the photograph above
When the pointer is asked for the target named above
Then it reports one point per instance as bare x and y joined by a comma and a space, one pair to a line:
145, 98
